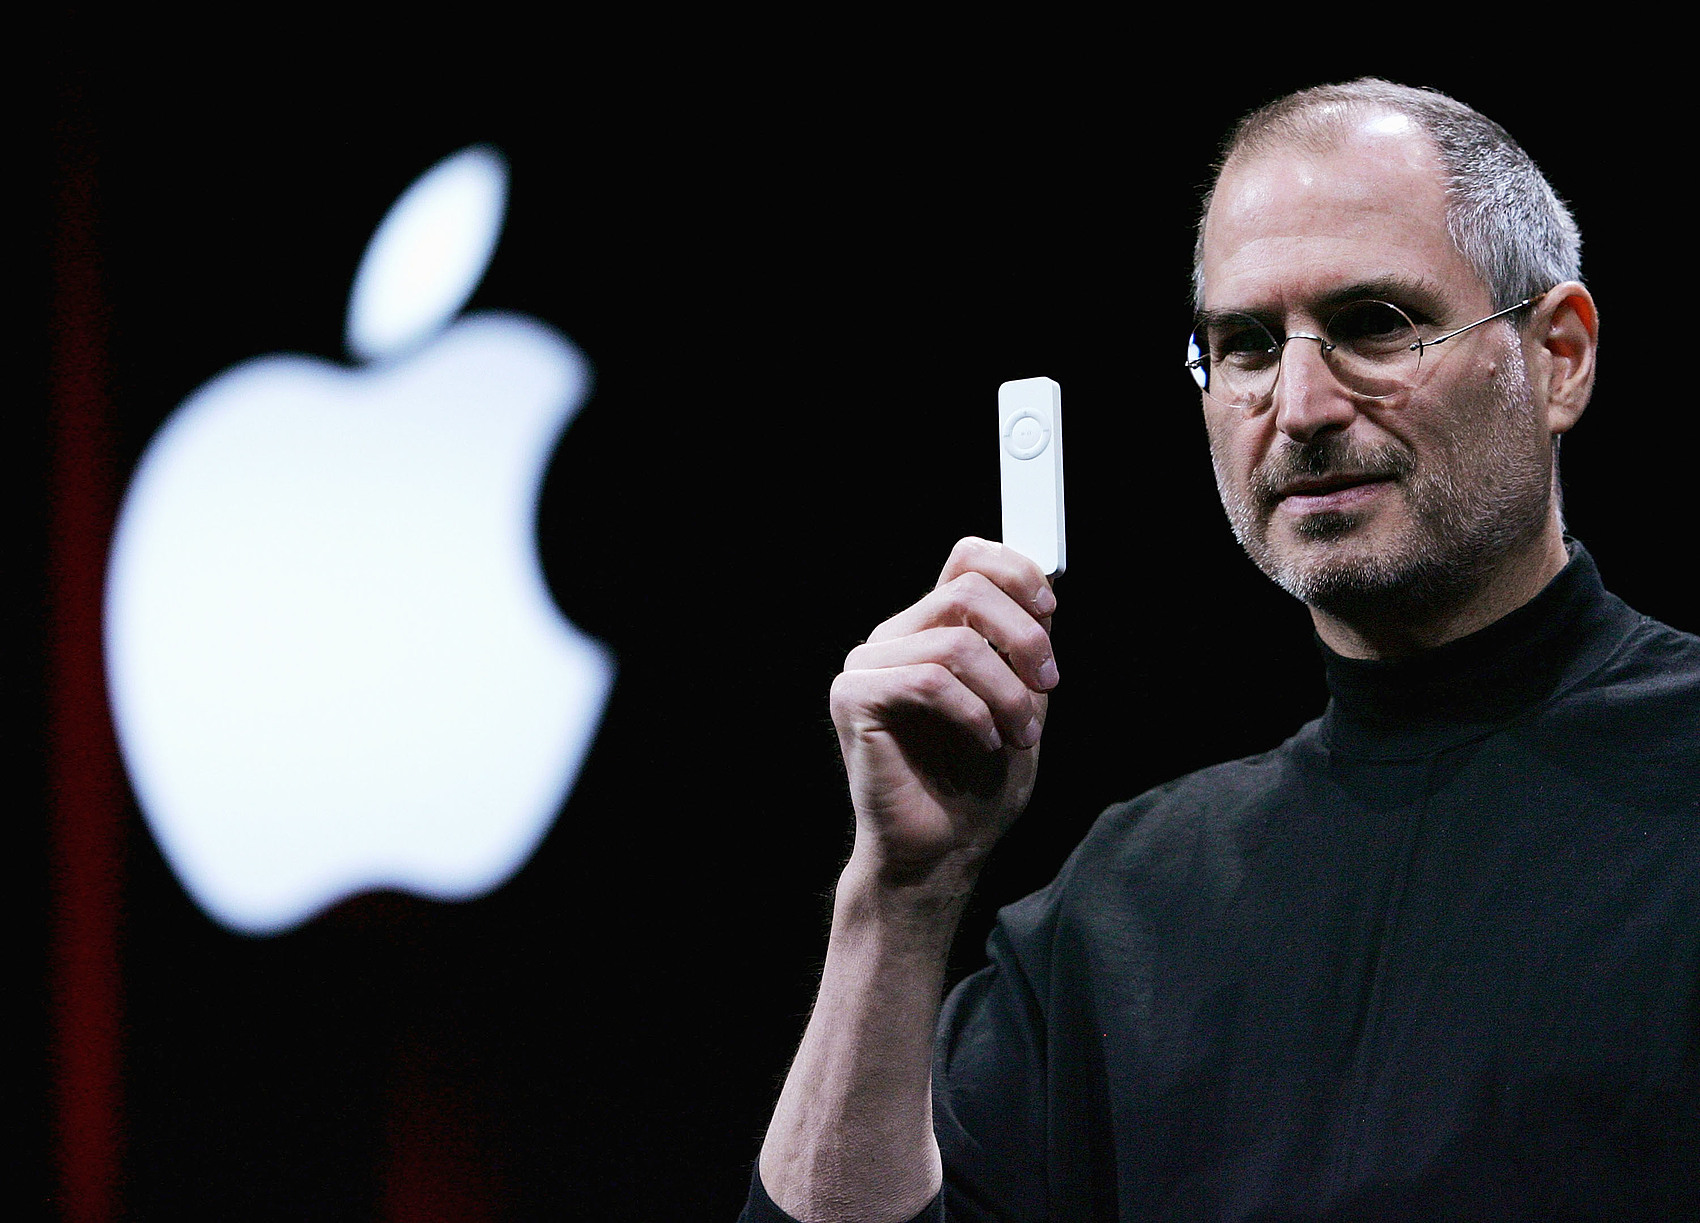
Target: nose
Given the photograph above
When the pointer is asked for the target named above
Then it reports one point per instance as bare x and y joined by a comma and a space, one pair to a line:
1308, 399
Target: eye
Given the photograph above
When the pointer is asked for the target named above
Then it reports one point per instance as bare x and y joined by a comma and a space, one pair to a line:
1241, 341
1371, 327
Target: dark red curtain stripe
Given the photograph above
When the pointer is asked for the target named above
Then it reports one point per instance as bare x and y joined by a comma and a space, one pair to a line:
86, 796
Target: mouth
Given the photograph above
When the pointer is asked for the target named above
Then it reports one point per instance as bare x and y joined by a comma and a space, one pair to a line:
1334, 492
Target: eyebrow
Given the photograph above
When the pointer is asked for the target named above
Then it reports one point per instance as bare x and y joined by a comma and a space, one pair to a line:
1411, 292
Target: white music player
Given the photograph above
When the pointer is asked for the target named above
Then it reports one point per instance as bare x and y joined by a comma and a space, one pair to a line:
1031, 462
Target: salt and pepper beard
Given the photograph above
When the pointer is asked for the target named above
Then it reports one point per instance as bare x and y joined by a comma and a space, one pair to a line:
1472, 501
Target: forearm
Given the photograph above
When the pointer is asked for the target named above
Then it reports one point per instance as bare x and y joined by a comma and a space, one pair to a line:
852, 1137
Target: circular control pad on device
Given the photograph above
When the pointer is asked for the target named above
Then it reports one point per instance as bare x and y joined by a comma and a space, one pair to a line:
1025, 434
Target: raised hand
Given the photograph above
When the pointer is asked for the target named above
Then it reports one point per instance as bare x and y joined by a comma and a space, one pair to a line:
939, 713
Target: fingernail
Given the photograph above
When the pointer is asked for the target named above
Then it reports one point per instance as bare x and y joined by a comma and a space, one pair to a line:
1030, 733
994, 741
1045, 602
1048, 674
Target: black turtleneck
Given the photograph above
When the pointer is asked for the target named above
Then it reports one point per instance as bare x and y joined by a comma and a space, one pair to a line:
1479, 683
1435, 957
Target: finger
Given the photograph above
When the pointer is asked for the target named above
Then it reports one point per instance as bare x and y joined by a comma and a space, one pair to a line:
973, 600
1008, 569
967, 656
869, 703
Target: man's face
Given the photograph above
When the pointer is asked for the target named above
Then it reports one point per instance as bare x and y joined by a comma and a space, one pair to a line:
1353, 503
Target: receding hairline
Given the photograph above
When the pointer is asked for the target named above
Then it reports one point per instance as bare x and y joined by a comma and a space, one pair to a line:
1319, 126
1502, 214
1321, 130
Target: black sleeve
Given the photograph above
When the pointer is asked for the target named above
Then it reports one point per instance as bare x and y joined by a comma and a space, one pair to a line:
759, 1208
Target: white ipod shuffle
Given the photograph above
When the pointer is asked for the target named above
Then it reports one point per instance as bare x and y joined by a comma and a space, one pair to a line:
1030, 458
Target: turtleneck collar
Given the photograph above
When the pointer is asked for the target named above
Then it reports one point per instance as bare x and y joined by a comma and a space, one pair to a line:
1477, 684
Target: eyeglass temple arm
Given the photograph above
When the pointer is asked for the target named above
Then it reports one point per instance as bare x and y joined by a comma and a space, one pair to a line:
1527, 301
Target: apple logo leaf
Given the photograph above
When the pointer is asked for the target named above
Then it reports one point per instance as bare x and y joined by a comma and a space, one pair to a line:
428, 254
333, 660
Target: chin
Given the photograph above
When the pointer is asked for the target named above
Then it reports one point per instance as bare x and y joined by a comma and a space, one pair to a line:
1325, 528
1339, 563
1358, 583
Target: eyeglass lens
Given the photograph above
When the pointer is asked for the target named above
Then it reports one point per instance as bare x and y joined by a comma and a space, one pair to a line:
1372, 347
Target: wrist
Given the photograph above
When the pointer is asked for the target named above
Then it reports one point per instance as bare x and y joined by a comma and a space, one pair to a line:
915, 907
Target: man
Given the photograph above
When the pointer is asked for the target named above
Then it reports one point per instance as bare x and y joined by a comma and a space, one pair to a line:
1438, 955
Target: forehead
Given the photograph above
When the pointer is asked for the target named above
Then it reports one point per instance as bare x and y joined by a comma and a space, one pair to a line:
1293, 224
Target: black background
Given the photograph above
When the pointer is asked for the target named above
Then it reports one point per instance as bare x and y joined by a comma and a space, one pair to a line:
799, 270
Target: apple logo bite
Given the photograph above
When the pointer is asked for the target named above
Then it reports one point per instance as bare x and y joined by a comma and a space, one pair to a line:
333, 661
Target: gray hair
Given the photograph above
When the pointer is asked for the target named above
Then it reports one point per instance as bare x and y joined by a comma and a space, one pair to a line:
1503, 215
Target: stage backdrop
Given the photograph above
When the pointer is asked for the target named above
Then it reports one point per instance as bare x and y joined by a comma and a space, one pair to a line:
796, 288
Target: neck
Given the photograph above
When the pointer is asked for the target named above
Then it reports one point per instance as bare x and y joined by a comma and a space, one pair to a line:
1392, 631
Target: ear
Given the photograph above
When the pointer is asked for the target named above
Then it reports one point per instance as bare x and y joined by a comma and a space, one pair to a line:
1565, 335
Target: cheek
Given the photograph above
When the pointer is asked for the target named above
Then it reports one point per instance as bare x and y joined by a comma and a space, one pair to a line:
1486, 427
1238, 446
1221, 461
1228, 440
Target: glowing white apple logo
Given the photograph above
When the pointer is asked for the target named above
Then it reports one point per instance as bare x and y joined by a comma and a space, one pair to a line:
333, 660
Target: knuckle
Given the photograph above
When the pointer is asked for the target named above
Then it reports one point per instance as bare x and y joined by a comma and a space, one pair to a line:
969, 553
962, 643
966, 589
843, 691
970, 546
1033, 640
931, 680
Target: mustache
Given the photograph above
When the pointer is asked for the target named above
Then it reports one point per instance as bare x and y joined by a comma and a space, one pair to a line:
1328, 457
